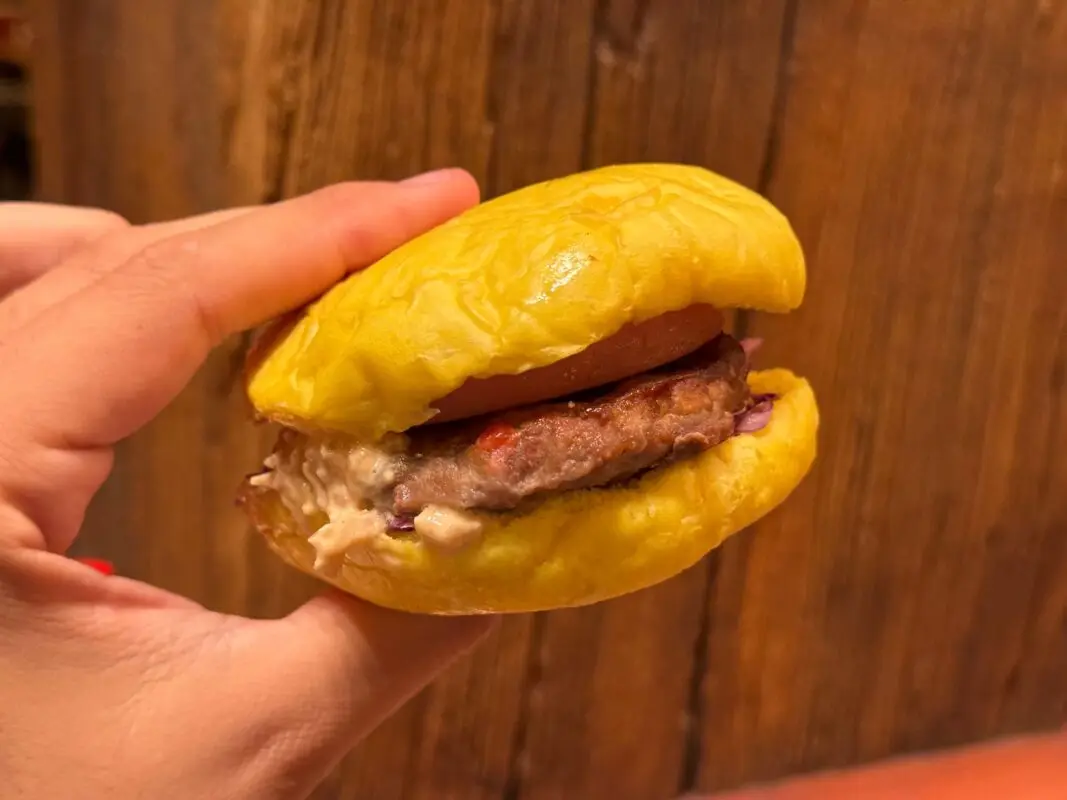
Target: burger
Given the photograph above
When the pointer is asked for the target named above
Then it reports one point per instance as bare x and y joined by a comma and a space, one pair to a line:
535, 405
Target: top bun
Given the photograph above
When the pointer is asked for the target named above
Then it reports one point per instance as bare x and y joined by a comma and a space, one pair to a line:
520, 282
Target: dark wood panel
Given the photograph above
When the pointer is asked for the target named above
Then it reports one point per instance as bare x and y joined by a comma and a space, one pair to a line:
899, 600
331, 91
321, 92
533, 109
14, 33
612, 705
911, 594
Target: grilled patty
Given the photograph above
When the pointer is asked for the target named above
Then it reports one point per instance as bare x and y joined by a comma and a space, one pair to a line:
592, 439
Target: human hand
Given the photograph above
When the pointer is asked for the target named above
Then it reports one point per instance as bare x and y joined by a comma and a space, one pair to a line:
110, 687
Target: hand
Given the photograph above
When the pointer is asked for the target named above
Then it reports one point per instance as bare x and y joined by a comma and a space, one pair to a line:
111, 688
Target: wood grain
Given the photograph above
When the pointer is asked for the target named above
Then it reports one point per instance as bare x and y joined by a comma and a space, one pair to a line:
15, 34
667, 82
891, 606
913, 593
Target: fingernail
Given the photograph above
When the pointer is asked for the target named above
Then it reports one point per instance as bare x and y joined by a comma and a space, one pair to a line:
101, 566
427, 178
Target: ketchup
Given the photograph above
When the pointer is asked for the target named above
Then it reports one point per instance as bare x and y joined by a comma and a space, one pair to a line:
496, 436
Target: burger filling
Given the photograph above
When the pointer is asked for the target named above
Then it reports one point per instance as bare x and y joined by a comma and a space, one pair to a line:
429, 481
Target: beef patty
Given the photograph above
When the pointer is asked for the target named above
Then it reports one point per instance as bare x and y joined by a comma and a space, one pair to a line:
591, 439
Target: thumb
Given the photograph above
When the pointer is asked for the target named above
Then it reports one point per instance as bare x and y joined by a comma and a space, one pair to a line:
324, 677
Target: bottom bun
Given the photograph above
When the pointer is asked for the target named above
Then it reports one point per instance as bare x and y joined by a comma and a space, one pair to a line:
582, 546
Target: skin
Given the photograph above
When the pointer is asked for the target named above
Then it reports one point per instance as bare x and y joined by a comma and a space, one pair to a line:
111, 688
1028, 768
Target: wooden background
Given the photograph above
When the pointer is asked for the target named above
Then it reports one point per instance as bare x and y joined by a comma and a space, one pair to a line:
913, 594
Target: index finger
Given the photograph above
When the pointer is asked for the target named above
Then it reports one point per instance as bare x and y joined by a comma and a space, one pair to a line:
94, 368
36, 236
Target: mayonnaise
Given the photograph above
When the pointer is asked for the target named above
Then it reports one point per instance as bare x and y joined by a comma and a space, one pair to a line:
446, 527
329, 478
347, 530
349, 485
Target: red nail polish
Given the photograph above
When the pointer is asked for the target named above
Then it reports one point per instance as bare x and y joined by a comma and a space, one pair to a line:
101, 566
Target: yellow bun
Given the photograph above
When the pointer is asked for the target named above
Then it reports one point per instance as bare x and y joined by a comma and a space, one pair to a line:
520, 282
586, 546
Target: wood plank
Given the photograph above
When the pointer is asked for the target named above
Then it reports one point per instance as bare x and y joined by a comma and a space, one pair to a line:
380, 90
911, 595
15, 34
469, 745
608, 715
331, 91
133, 128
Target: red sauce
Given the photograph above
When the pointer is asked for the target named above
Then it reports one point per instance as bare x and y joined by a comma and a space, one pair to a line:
495, 437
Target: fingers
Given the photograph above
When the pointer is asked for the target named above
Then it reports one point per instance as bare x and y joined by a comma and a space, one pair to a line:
83, 267
118, 351
320, 680
34, 237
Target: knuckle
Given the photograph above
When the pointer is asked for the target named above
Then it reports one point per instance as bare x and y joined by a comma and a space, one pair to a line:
355, 203
106, 229
110, 222
165, 270
343, 194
